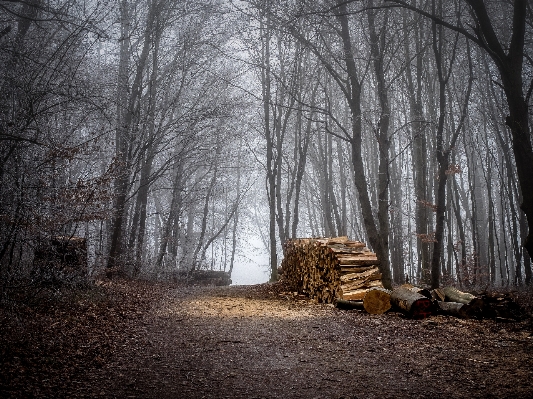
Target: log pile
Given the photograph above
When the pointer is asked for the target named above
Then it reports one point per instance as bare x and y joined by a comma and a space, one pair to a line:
345, 272
327, 269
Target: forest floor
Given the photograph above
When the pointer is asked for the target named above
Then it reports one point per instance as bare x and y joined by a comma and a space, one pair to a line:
124, 339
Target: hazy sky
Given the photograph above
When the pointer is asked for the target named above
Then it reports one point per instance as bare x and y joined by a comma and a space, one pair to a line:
253, 267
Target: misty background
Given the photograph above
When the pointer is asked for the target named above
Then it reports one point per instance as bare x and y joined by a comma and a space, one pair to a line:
176, 135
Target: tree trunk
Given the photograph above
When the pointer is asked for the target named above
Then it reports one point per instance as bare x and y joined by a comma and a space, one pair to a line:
265, 29
379, 244
510, 66
419, 151
125, 118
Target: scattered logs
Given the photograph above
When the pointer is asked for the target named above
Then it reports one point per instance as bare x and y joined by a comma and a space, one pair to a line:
452, 294
330, 268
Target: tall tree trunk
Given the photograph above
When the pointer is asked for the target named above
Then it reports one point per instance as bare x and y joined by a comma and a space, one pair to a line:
443, 154
121, 142
378, 240
510, 66
420, 150
175, 209
377, 49
125, 119
266, 34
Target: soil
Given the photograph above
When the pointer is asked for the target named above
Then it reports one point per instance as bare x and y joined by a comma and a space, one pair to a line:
124, 339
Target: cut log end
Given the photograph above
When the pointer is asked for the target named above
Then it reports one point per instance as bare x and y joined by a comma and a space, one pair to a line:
377, 301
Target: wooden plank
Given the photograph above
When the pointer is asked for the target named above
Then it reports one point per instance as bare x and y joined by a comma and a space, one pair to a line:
356, 295
345, 250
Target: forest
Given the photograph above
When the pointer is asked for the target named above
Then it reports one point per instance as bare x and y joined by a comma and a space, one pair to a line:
170, 133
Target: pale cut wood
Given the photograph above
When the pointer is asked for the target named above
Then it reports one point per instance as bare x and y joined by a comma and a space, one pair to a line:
356, 244
377, 300
336, 240
356, 295
454, 295
359, 275
363, 282
341, 249
357, 256
357, 262
359, 293
346, 269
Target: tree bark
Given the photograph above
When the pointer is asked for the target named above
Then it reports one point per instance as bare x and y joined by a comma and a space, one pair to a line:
378, 239
510, 66
265, 30
413, 304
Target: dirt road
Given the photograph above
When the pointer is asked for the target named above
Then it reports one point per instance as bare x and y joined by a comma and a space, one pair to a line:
263, 342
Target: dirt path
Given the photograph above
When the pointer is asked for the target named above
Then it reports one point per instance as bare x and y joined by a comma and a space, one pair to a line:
261, 342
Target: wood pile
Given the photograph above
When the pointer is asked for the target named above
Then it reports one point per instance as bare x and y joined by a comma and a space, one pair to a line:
200, 277
61, 260
327, 269
345, 272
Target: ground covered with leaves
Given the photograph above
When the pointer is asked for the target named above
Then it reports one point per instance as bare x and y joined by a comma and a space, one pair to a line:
123, 339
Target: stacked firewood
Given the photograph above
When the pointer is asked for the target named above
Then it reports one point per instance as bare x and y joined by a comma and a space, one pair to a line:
330, 268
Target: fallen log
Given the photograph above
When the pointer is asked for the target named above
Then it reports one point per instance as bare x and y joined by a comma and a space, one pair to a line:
422, 291
415, 305
348, 305
452, 309
377, 301
462, 310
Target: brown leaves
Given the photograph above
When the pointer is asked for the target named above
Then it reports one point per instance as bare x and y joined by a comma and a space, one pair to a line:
60, 336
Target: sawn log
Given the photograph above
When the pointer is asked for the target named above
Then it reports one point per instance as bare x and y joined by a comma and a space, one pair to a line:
413, 304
